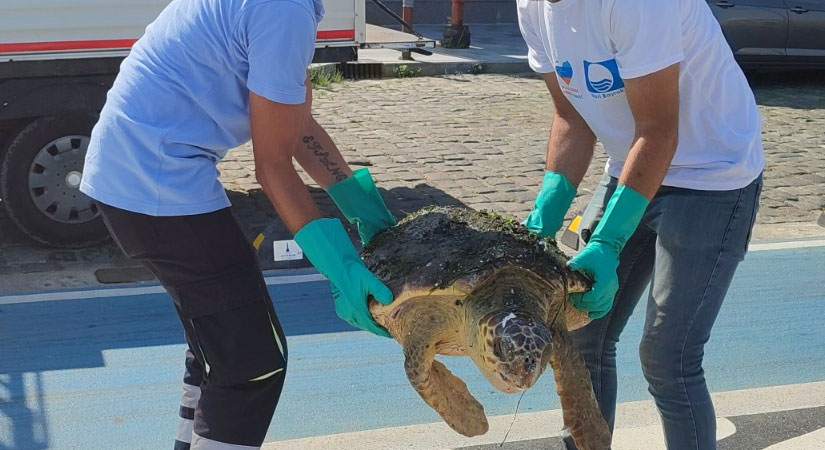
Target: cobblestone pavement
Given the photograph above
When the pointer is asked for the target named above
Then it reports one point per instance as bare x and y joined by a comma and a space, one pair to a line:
480, 141
477, 140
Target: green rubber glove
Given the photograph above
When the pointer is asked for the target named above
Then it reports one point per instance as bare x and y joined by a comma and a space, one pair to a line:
551, 205
329, 249
359, 201
600, 258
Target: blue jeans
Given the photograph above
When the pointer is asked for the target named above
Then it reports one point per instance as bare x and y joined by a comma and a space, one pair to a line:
687, 246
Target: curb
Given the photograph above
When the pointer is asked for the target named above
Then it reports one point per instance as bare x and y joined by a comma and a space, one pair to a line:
429, 69
412, 69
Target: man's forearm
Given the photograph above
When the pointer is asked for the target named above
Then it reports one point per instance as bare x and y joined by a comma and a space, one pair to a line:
320, 157
570, 149
275, 128
654, 102
288, 193
648, 161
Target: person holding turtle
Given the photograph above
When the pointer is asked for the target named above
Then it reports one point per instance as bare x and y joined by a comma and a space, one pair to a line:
659, 87
206, 76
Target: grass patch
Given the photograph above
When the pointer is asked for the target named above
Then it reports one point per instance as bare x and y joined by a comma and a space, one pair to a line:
404, 71
477, 69
324, 78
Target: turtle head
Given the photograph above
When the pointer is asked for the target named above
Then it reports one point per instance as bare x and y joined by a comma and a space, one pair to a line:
512, 349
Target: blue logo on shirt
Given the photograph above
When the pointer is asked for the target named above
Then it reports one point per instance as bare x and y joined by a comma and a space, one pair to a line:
565, 72
602, 77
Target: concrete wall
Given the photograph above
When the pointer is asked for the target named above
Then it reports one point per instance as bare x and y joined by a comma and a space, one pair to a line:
438, 11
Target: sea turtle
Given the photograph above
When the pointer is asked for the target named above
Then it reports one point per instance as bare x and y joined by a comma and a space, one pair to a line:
473, 283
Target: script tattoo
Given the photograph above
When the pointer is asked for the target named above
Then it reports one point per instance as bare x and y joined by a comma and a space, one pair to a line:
323, 157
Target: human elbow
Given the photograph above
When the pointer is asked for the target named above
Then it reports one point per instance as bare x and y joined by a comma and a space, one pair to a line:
662, 133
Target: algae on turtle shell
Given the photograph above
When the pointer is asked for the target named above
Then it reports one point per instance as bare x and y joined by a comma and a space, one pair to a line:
458, 241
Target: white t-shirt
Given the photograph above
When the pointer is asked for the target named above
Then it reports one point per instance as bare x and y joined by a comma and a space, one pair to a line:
592, 45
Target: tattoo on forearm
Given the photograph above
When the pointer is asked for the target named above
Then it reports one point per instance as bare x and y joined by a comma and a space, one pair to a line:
323, 158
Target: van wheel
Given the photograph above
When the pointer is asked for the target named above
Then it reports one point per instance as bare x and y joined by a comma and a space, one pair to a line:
40, 181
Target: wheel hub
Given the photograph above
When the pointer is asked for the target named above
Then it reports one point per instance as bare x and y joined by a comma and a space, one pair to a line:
73, 179
54, 181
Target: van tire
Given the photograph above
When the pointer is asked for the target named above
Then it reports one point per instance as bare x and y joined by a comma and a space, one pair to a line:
38, 182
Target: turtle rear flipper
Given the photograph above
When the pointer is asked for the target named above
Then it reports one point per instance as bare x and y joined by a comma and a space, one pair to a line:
581, 412
424, 326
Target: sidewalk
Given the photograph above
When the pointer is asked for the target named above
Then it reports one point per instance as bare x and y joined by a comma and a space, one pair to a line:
771, 418
495, 48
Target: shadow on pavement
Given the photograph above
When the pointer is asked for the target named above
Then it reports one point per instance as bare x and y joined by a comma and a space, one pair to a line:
64, 335
798, 89
72, 335
29, 428
68, 335
257, 215
761, 431
19, 253
254, 212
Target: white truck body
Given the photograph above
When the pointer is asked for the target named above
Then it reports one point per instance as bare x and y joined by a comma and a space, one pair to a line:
52, 29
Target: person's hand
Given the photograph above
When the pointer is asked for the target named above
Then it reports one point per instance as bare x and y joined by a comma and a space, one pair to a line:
600, 257
360, 202
350, 294
329, 249
599, 261
551, 205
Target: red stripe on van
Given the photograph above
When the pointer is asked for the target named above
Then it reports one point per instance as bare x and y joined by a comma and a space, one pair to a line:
337, 34
23, 47
19, 47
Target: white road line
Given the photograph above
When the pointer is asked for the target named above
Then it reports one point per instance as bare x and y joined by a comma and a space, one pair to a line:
759, 247
294, 279
124, 292
291, 279
807, 441
634, 419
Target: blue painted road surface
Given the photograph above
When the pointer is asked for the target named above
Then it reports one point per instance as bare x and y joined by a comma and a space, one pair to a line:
103, 371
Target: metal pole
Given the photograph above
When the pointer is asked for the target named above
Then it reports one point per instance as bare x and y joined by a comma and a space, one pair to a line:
407, 16
456, 34
457, 13
395, 16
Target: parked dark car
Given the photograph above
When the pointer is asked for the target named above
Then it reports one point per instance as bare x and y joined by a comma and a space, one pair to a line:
774, 33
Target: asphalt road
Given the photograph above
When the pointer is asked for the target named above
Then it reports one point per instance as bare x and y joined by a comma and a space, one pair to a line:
101, 369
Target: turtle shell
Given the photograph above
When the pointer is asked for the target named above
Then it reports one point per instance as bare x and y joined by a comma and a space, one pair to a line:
446, 251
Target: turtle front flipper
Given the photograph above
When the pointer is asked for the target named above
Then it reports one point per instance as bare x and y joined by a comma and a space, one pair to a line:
423, 327
581, 412
576, 282
449, 396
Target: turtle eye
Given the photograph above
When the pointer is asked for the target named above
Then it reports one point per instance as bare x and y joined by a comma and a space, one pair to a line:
497, 348
503, 349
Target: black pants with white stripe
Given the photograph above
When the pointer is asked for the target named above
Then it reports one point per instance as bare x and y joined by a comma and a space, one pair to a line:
237, 355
